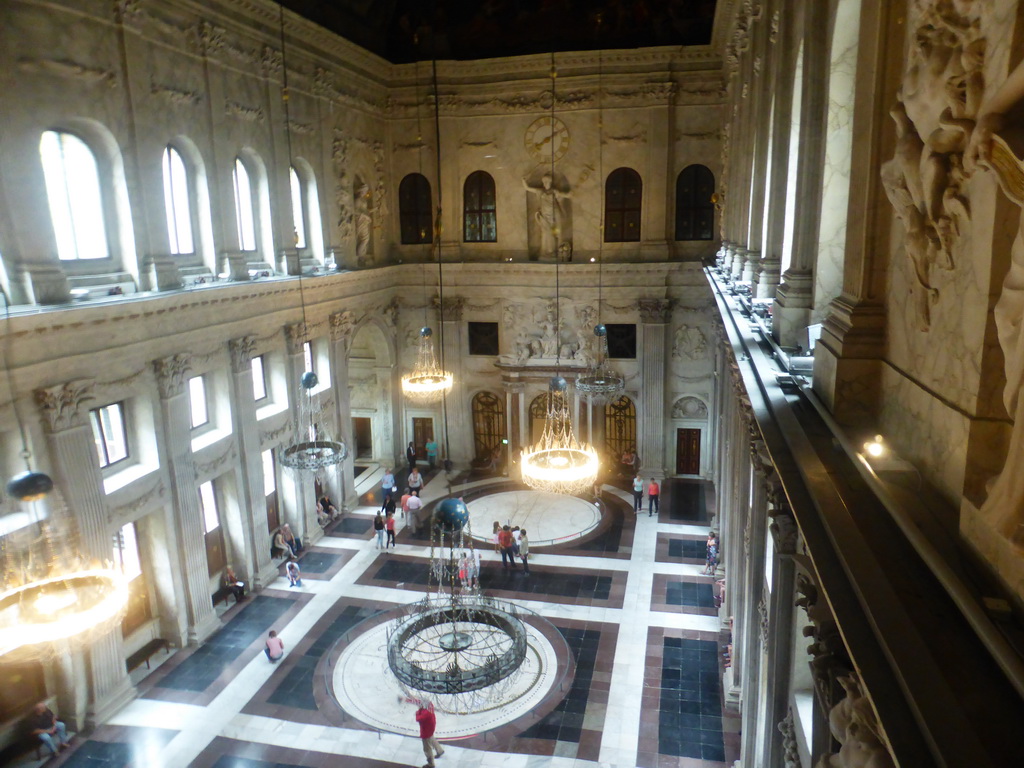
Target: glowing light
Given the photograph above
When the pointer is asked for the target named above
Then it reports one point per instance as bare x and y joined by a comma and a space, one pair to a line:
427, 381
558, 462
875, 448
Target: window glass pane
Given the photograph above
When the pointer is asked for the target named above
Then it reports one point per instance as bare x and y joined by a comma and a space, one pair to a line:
307, 354
97, 436
208, 504
74, 196
176, 202
269, 480
197, 401
244, 209
126, 552
259, 378
298, 220
112, 422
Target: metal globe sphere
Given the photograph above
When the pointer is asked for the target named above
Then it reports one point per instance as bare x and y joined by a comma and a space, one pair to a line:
29, 486
309, 380
600, 330
426, 332
558, 384
451, 515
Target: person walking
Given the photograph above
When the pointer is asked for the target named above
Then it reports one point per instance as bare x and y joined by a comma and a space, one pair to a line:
415, 505
275, 648
378, 527
431, 447
638, 494
389, 526
387, 483
524, 551
653, 490
405, 502
428, 724
506, 542
410, 456
415, 481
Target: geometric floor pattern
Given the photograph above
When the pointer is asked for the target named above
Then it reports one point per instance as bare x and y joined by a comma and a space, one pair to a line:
629, 600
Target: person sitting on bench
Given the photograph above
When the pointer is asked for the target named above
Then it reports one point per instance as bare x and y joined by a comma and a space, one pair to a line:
45, 726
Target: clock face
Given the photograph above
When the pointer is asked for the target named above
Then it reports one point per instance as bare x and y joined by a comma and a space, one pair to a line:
546, 135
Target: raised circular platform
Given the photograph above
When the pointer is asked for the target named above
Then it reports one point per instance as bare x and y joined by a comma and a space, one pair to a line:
549, 518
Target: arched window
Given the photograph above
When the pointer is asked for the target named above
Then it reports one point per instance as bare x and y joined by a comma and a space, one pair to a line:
488, 425
620, 426
538, 416
177, 202
623, 193
298, 208
75, 197
245, 212
695, 213
479, 211
414, 210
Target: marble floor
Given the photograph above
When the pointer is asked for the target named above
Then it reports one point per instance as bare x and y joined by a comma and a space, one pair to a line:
626, 598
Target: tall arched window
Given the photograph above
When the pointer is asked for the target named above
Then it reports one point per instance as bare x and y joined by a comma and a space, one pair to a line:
414, 210
75, 197
479, 210
620, 426
538, 416
245, 212
177, 202
695, 213
623, 193
488, 424
298, 208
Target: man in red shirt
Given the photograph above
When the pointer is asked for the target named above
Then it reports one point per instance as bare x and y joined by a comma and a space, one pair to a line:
652, 497
505, 544
428, 722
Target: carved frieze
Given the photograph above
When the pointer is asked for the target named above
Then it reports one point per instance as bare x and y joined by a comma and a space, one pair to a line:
244, 112
453, 308
130, 510
342, 325
172, 373
69, 69
176, 97
62, 405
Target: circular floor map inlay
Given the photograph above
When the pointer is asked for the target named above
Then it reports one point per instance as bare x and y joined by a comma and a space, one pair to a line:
549, 518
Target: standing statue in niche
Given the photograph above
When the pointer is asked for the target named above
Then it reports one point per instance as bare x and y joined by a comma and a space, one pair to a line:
549, 335
364, 222
1004, 506
552, 219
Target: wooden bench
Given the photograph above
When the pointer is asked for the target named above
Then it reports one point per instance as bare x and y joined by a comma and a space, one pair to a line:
145, 652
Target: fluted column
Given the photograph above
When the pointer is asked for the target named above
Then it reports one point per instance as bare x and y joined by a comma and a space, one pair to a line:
780, 622
342, 325
171, 377
456, 405
654, 315
77, 471
257, 566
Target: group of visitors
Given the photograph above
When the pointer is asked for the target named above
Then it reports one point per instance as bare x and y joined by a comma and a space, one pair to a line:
382, 525
512, 542
285, 543
653, 495
411, 454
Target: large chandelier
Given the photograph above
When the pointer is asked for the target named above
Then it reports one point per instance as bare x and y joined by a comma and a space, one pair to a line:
427, 381
558, 462
312, 447
50, 594
601, 381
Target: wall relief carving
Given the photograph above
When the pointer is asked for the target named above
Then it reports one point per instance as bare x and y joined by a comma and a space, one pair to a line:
689, 407
689, 343
854, 725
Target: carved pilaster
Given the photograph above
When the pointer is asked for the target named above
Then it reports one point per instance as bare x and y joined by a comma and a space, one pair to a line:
295, 335
342, 325
790, 752
242, 350
762, 620
452, 309
654, 311
172, 373
829, 657
61, 406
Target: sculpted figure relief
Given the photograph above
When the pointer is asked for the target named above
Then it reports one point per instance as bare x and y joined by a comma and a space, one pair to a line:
689, 343
551, 217
363, 220
853, 724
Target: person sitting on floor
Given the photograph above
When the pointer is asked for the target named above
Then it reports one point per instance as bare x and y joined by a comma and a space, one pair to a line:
233, 583
322, 517
329, 509
45, 726
294, 574
275, 648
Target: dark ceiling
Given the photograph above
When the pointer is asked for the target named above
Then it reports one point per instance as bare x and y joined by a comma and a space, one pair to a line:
411, 30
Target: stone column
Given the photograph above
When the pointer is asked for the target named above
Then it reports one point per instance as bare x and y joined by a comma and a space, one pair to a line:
257, 565
342, 325
780, 622
301, 512
656, 234
654, 315
760, 97
794, 297
171, 378
76, 470
456, 405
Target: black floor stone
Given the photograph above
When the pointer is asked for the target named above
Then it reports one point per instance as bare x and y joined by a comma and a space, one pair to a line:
208, 661
565, 722
685, 501
611, 539
318, 562
690, 709
689, 549
296, 690
230, 761
353, 525
143, 749
575, 585
698, 595
357, 470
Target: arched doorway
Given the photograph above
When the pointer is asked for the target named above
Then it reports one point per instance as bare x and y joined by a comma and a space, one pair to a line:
489, 427
619, 426
538, 415
369, 379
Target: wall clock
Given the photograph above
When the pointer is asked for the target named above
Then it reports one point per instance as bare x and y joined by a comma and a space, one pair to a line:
544, 134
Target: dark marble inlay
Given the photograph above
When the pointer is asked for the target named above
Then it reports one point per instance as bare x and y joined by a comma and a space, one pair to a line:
128, 746
683, 502
352, 525
698, 594
318, 562
565, 722
690, 706
208, 661
689, 549
230, 761
296, 690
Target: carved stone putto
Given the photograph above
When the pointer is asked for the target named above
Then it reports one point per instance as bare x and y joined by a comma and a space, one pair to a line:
172, 373
61, 406
342, 325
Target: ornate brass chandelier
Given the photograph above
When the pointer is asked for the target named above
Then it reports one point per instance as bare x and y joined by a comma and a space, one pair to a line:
558, 462
427, 381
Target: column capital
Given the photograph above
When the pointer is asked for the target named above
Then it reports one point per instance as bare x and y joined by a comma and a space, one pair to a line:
654, 311
295, 335
452, 309
62, 405
172, 373
242, 350
342, 324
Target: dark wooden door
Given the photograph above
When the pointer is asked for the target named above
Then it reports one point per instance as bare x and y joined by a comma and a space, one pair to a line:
687, 451
422, 433
363, 433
